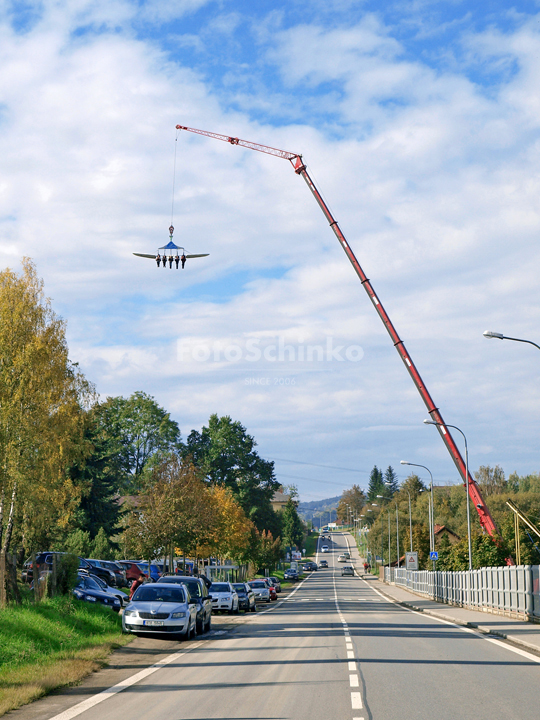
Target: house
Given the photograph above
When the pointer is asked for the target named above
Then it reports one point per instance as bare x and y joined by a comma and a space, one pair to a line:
279, 500
441, 531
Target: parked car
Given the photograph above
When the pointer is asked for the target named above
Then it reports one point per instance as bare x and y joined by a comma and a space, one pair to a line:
118, 570
124, 599
291, 575
347, 570
323, 564
86, 588
276, 582
102, 571
45, 559
261, 590
246, 597
224, 597
270, 586
132, 570
155, 572
199, 593
161, 607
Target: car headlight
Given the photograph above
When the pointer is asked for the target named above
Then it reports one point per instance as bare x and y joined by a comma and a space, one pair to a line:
178, 615
130, 613
89, 597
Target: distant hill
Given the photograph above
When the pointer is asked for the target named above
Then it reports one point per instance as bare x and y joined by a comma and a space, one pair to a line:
307, 510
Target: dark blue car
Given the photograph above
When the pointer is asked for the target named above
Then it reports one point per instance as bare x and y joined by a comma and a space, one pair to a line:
88, 589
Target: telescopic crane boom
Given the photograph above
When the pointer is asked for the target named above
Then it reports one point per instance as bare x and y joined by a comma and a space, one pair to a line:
296, 161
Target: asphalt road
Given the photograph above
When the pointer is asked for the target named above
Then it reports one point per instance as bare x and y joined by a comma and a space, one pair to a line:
335, 648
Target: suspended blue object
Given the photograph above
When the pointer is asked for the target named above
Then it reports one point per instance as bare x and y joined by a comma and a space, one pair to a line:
171, 246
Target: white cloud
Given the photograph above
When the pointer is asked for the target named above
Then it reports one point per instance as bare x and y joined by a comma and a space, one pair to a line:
433, 179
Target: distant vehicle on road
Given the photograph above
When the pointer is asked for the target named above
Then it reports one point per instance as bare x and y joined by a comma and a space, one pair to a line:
310, 566
325, 549
323, 564
276, 582
198, 592
261, 590
291, 575
347, 570
342, 558
163, 608
224, 597
246, 597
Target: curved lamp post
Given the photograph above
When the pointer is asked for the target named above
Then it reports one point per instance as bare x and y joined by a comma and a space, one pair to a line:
431, 507
490, 334
432, 422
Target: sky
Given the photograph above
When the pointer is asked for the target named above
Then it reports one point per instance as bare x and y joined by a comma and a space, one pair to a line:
420, 124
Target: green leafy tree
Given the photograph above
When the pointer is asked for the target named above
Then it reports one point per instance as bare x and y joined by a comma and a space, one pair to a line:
226, 454
78, 542
293, 529
355, 499
137, 435
42, 400
492, 481
101, 547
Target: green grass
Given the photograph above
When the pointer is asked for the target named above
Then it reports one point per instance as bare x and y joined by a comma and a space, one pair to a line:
53, 643
311, 544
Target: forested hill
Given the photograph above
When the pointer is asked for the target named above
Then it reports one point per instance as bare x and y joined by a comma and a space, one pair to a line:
308, 509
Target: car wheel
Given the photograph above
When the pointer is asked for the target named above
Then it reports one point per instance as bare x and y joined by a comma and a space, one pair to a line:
268, 601
254, 608
237, 611
200, 627
208, 625
231, 611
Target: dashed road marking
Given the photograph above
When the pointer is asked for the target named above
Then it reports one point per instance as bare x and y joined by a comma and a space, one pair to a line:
350, 654
356, 701
353, 680
352, 667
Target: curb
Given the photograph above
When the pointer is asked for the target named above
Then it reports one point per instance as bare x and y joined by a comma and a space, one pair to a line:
472, 625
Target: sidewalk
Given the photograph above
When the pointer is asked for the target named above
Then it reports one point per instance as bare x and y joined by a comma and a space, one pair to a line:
520, 632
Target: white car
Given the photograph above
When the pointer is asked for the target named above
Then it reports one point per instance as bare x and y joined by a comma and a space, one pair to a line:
325, 549
224, 597
161, 608
342, 558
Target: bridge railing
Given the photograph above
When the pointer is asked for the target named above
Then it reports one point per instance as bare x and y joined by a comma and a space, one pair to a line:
513, 591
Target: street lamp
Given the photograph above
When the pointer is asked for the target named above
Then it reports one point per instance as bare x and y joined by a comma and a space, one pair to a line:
500, 336
433, 422
403, 462
431, 507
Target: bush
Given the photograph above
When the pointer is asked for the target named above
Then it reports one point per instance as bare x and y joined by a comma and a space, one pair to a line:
66, 573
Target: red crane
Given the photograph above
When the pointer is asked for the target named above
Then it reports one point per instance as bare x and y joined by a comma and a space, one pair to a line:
486, 520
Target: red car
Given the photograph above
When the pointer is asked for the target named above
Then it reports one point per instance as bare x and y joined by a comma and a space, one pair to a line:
132, 570
270, 586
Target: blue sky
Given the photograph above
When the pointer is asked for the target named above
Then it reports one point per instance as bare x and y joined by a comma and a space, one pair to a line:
420, 123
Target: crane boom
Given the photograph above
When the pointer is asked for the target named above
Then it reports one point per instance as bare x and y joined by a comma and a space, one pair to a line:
486, 520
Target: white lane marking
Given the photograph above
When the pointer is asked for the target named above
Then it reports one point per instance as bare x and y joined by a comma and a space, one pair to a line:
356, 701
350, 654
358, 718
128, 682
353, 680
352, 667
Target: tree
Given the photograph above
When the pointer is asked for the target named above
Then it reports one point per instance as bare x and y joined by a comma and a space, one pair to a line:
355, 499
42, 400
390, 481
269, 551
137, 434
492, 481
293, 530
226, 455
376, 484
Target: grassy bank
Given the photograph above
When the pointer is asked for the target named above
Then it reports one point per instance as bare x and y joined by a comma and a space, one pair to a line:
54, 643
310, 544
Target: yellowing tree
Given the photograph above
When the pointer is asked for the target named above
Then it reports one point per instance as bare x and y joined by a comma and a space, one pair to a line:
42, 397
232, 533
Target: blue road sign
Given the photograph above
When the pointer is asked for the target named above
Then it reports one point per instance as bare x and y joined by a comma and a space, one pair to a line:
434, 555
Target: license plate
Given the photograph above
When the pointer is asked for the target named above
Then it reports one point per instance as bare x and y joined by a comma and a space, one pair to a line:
152, 623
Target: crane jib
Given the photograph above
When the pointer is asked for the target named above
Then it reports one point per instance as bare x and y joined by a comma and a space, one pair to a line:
486, 520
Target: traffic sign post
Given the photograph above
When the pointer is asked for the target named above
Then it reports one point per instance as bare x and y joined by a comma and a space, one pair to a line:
411, 560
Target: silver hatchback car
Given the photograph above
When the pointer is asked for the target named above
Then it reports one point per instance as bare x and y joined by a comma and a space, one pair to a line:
166, 609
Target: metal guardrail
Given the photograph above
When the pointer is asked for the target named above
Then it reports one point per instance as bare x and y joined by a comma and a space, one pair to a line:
511, 591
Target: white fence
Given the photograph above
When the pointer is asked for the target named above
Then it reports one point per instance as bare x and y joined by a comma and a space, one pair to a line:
511, 591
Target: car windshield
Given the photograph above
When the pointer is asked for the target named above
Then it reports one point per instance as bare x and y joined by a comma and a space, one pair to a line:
151, 593
98, 581
258, 584
219, 587
239, 586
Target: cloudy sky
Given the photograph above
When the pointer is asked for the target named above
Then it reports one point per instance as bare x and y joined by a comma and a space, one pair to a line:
420, 121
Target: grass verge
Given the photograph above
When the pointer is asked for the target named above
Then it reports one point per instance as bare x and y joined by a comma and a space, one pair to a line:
310, 544
52, 644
